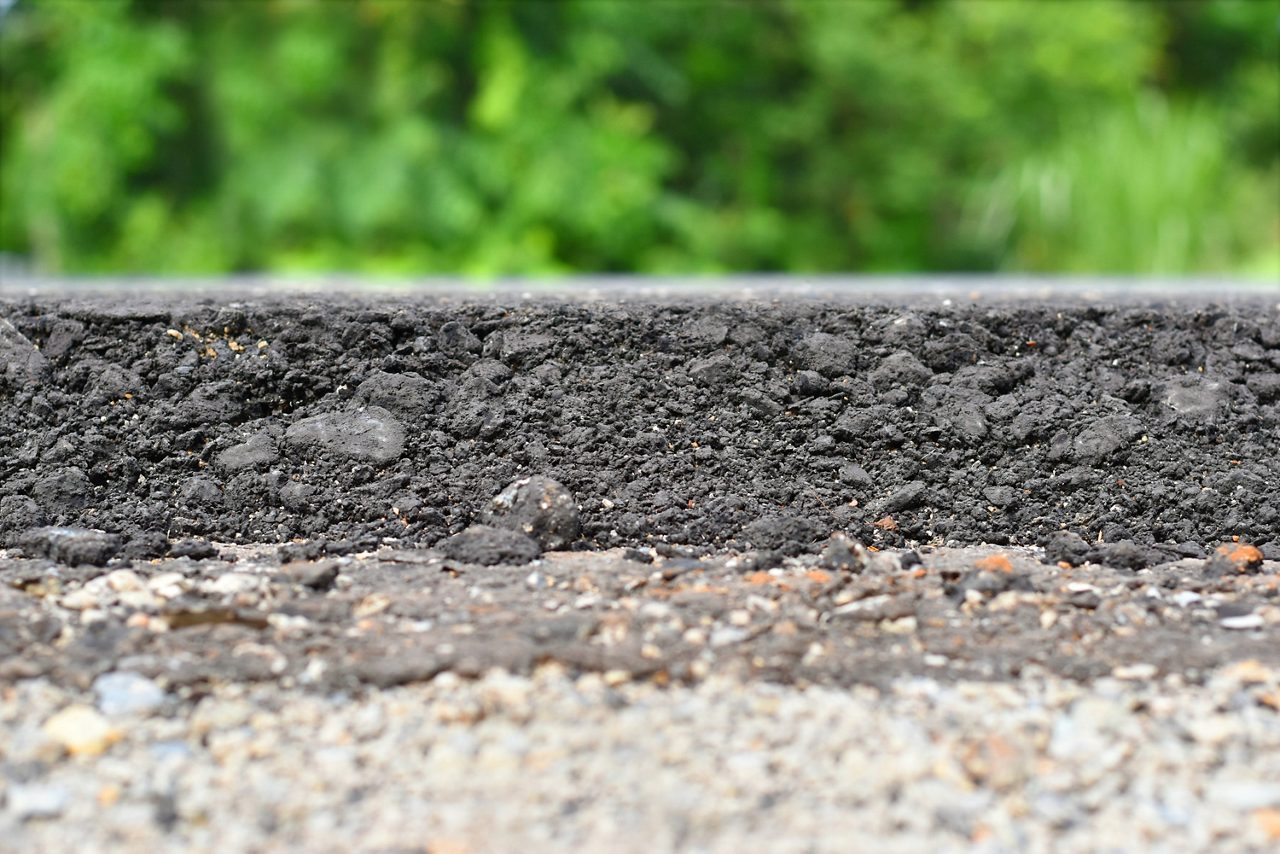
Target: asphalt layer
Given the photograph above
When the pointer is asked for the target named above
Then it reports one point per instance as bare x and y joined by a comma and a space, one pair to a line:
696, 422
749, 567
760, 482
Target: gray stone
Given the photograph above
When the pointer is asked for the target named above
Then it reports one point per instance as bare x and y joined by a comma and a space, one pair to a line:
1266, 387
317, 575
901, 368
72, 546
200, 493
19, 513
843, 555
407, 396
20, 361
906, 497
490, 546
372, 435
538, 507
829, 355
456, 339
705, 331
63, 491
1104, 438
127, 693
37, 800
525, 348
1065, 547
716, 368
258, 450
1195, 398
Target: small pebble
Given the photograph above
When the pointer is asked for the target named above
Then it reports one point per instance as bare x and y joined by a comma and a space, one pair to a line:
81, 730
125, 693
37, 800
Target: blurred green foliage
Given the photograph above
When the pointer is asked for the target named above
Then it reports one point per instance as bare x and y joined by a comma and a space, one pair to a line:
410, 136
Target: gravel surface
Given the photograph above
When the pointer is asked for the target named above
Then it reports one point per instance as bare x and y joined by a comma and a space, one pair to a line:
552, 762
655, 571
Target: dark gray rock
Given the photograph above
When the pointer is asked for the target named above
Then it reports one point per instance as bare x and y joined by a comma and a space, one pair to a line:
258, 450
705, 331
194, 549
214, 403
809, 384
1104, 438
316, 575
1065, 547
72, 546
407, 396
538, 507
843, 555
525, 348
716, 368
62, 337
786, 534
18, 513
489, 546
63, 491
200, 493
1124, 554
456, 339
855, 475
296, 495
144, 545
1266, 387
1195, 398
901, 368
372, 435
906, 497
829, 355
20, 362
759, 403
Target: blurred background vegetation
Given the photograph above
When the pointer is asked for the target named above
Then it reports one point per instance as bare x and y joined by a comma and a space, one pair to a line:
649, 136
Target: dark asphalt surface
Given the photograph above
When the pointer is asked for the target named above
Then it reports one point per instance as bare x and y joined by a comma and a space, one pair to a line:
716, 440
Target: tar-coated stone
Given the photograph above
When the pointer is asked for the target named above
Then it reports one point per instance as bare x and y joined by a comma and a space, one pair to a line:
72, 546
193, 548
373, 435
317, 575
22, 513
407, 396
257, 450
843, 555
538, 507
20, 361
786, 534
1065, 547
490, 546
1124, 555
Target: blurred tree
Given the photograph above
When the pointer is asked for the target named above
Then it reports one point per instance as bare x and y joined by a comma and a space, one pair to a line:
537, 137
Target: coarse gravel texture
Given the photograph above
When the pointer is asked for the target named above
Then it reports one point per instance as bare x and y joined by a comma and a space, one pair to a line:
556, 763
946, 699
639, 571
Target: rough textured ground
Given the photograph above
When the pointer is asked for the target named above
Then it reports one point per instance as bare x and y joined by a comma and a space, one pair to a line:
699, 575
693, 422
556, 763
975, 698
